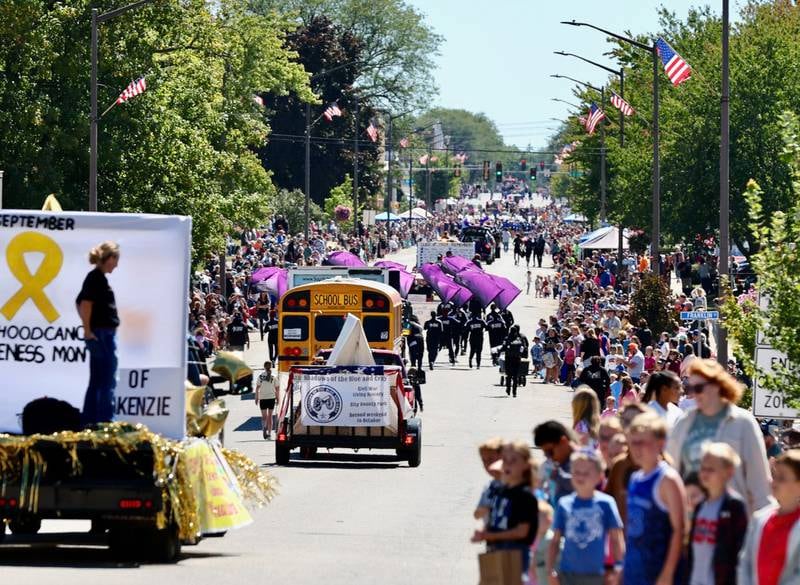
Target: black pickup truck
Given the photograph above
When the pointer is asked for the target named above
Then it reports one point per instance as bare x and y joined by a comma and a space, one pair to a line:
117, 491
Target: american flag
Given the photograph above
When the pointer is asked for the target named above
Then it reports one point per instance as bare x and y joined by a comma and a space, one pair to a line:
331, 112
423, 160
404, 142
372, 131
595, 115
676, 68
461, 157
582, 121
134, 88
258, 100
621, 104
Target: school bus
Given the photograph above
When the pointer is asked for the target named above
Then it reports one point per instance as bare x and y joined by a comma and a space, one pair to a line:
311, 317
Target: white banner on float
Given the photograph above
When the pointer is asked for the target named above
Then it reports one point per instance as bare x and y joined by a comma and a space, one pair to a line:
346, 399
43, 262
430, 251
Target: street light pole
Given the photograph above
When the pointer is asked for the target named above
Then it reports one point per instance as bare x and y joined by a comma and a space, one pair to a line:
97, 19
355, 168
656, 213
307, 211
602, 91
724, 175
389, 153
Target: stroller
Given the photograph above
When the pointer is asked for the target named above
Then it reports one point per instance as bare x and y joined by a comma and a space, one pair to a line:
524, 367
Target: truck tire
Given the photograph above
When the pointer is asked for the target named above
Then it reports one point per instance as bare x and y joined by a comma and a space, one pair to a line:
415, 453
25, 524
281, 454
165, 545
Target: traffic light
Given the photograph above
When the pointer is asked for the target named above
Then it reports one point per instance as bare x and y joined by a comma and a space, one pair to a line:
486, 164
498, 172
523, 164
533, 173
541, 164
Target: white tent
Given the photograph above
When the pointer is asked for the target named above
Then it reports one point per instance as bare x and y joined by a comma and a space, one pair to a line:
575, 218
416, 213
607, 240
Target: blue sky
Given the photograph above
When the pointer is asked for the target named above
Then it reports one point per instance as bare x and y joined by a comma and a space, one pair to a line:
497, 56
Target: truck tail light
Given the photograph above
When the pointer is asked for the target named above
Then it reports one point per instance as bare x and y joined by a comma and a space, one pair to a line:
281, 437
409, 440
130, 504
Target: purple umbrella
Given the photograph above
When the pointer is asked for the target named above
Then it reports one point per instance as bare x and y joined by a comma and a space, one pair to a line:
434, 276
463, 296
482, 286
263, 274
509, 291
455, 264
278, 282
390, 265
344, 258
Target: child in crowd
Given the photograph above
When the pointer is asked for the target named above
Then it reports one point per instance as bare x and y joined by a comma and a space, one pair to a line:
528, 280
618, 445
656, 505
695, 494
551, 362
513, 519
541, 546
569, 362
537, 351
611, 408
491, 452
586, 416
537, 290
649, 359
771, 553
585, 519
719, 523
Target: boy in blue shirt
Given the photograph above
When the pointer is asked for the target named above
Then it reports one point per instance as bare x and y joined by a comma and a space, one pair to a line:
585, 519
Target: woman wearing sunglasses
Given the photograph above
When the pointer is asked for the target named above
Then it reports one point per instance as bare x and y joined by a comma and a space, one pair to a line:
717, 419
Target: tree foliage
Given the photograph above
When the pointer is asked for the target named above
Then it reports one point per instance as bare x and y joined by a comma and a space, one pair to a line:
396, 63
291, 205
777, 265
764, 83
332, 55
651, 302
184, 146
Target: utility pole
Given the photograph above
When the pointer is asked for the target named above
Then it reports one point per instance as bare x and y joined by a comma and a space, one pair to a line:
355, 168
1, 189
389, 153
428, 178
603, 157
307, 212
655, 244
724, 177
97, 19
410, 186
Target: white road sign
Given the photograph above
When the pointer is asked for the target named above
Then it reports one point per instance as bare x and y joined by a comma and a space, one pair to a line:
768, 404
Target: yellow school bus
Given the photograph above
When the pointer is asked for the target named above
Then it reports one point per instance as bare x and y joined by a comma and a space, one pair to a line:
311, 317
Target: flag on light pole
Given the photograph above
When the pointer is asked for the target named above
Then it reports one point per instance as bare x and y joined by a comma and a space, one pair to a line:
621, 105
675, 67
134, 88
372, 132
404, 142
331, 112
595, 115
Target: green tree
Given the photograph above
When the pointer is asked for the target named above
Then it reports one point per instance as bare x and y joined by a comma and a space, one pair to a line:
777, 265
184, 146
651, 302
291, 205
396, 65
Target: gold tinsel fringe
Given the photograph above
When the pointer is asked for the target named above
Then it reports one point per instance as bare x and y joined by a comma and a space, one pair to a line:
21, 460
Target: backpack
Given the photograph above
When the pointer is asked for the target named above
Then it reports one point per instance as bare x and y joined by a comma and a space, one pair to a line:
46, 416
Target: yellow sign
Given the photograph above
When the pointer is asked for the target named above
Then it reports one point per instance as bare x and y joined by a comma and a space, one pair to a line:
33, 284
336, 301
217, 492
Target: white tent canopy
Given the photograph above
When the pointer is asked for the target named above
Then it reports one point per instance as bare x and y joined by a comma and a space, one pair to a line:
608, 239
575, 218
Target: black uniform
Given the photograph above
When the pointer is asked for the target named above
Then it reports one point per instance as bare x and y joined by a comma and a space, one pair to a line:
508, 318
433, 327
416, 344
447, 337
538, 249
497, 331
475, 327
272, 338
458, 320
514, 348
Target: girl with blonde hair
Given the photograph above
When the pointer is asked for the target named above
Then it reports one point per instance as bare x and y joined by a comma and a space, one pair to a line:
586, 416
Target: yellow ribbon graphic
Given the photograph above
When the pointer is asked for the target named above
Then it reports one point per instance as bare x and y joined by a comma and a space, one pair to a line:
33, 284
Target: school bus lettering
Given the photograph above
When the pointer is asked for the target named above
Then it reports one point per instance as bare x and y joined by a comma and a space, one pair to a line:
335, 300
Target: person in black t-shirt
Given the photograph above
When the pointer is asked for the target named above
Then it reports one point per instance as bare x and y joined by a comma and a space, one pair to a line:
97, 308
237, 334
513, 518
272, 335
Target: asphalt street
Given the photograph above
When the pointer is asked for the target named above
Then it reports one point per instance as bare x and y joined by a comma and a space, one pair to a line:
343, 518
